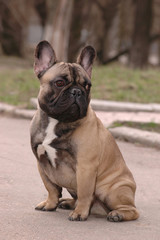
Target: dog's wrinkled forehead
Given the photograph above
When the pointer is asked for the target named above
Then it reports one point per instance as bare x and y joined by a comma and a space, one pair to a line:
73, 71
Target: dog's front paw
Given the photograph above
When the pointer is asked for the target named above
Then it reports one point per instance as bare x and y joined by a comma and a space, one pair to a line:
46, 206
78, 216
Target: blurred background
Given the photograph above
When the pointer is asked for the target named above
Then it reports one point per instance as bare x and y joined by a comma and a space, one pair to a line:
125, 34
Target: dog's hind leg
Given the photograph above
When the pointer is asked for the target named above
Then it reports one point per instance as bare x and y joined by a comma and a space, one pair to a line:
68, 203
121, 204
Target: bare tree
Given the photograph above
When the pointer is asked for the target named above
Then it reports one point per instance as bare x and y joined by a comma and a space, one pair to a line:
141, 35
91, 21
79, 27
12, 26
46, 10
61, 29
108, 11
42, 10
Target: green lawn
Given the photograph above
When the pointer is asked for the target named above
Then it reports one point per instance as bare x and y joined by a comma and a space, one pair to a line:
18, 86
112, 82
117, 82
151, 126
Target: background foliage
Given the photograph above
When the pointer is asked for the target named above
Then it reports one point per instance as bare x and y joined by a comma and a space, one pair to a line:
125, 34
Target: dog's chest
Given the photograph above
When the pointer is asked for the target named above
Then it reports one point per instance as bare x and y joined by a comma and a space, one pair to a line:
59, 150
60, 153
49, 137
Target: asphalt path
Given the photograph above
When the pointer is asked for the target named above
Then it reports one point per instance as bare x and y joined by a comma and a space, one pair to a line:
21, 189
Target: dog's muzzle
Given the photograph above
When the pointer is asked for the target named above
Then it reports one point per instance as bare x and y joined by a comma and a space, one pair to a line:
76, 92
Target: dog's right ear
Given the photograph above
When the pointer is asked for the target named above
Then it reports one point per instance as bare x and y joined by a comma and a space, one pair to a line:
44, 58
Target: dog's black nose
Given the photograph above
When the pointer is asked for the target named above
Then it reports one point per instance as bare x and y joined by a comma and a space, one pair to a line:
76, 92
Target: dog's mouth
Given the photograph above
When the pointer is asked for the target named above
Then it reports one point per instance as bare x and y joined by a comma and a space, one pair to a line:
67, 111
66, 108
73, 112
60, 106
70, 114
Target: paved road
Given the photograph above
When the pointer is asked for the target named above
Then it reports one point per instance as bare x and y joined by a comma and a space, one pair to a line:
21, 189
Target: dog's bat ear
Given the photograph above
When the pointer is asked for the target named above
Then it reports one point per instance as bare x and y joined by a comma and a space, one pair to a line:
44, 58
86, 58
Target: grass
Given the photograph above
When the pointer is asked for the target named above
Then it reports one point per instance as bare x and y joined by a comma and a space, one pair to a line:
18, 86
117, 82
151, 126
112, 82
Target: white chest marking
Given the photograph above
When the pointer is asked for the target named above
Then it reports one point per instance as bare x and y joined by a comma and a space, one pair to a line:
50, 135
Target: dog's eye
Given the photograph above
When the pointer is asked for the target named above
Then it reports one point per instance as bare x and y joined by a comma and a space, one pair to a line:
87, 86
60, 83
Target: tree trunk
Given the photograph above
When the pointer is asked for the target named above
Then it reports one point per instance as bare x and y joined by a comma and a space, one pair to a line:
46, 10
41, 9
141, 42
11, 33
81, 11
13, 25
61, 29
108, 11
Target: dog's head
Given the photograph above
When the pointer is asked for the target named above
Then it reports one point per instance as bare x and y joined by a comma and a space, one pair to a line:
64, 87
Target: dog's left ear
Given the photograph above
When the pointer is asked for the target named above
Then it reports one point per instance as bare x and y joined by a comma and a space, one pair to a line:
86, 58
44, 58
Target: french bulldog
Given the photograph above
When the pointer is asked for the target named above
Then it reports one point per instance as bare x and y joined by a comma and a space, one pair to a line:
73, 148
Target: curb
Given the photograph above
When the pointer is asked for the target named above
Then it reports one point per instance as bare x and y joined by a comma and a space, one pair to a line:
125, 133
16, 112
137, 136
112, 106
